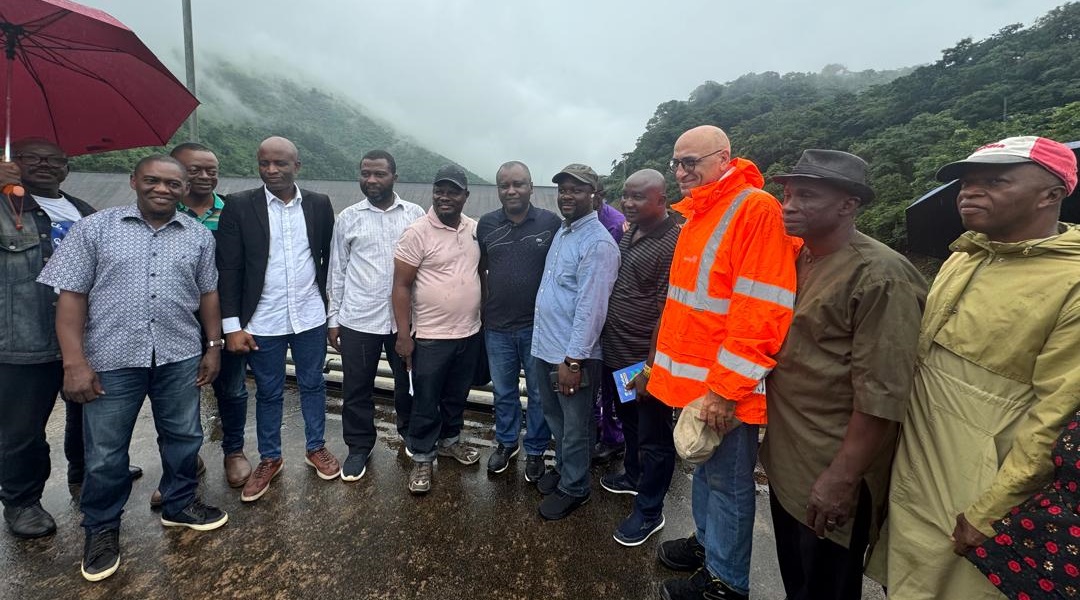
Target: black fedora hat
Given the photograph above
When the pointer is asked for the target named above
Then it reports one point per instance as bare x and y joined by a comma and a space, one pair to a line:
842, 169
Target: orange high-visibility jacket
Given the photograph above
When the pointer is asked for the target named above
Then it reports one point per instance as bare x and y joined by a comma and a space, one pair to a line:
731, 295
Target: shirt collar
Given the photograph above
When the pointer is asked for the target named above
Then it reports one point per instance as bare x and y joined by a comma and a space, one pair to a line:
578, 224
131, 211
365, 204
435, 222
219, 204
529, 215
660, 231
270, 197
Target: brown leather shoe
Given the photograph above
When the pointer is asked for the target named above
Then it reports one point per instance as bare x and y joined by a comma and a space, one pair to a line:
155, 500
237, 469
260, 479
326, 466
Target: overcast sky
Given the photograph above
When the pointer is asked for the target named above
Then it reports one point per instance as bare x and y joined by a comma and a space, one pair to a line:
551, 82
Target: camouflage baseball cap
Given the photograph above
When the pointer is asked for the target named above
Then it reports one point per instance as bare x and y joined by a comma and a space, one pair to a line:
582, 173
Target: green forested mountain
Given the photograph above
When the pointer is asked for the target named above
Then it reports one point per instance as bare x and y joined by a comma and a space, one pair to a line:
240, 108
1020, 81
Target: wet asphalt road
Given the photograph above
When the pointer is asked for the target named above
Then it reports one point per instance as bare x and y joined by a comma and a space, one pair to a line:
474, 536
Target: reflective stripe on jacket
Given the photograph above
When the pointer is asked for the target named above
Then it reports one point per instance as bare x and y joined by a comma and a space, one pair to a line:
731, 295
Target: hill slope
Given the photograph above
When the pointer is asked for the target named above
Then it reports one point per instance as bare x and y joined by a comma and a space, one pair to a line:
1020, 81
240, 108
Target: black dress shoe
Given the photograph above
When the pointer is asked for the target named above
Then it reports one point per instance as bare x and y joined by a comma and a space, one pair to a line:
135, 472
603, 453
559, 505
29, 522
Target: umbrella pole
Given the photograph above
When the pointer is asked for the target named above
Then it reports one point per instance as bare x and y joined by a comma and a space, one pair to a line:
7, 108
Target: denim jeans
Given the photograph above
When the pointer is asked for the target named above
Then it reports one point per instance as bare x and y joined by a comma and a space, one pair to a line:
268, 366
570, 420
29, 394
442, 374
360, 354
650, 447
508, 353
723, 506
108, 422
230, 389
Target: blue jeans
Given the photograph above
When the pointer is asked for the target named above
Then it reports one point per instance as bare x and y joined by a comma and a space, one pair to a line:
230, 389
268, 366
570, 420
508, 353
723, 505
108, 423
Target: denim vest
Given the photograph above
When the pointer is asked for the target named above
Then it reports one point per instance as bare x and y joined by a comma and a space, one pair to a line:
27, 308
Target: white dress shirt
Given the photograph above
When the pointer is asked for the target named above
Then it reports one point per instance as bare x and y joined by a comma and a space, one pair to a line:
290, 301
362, 265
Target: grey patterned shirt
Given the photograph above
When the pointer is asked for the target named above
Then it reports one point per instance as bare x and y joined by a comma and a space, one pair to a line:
144, 286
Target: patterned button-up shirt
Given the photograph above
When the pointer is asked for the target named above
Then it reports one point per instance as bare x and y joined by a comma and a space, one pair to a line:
144, 286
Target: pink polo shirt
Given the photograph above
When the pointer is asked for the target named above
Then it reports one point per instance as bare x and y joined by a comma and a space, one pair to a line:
446, 293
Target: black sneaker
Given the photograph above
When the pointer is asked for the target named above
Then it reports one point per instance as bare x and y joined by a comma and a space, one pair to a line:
618, 483
197, 516
701, 586
603, 452
354, 467
501, 456
534, 467
559, 505
548, 482
683, 554
635, 529
101, 555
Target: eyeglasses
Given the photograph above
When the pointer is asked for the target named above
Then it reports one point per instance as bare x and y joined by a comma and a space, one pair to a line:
690, 163
33, 159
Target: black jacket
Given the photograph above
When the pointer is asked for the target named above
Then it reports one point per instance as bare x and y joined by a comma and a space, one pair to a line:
243, 247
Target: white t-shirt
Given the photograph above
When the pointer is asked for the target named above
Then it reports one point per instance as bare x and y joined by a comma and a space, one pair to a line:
62, 213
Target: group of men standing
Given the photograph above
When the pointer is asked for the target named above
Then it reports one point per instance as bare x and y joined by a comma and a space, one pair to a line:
756, 310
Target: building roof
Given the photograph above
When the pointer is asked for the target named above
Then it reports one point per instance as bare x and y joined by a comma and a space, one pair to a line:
103, 190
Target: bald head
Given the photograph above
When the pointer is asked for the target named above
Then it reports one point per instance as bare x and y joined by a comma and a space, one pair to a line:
647, 179
279, 162
701, 157
643, 200
282, 145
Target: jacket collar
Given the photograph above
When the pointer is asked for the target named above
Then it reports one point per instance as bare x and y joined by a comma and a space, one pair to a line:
740, 174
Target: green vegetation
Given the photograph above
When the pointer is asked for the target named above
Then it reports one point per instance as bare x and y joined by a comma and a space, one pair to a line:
1020, 81
240, 108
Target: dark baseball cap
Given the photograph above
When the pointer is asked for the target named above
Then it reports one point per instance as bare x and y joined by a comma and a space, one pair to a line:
582, 173
454, 174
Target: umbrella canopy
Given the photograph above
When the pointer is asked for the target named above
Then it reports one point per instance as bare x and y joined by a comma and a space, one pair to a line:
79, 77
933, 222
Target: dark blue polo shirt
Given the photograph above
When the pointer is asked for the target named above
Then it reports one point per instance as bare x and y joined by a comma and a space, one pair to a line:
514, 256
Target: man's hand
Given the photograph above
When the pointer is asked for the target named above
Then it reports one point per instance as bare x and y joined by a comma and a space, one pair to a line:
332, 334
10, 174
404, 348
209, 366
833, 499
718, 413
638, 384
240, 342
81, 383
569, 382
965, 537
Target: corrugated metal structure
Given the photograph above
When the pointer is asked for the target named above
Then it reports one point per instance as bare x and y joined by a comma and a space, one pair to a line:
103, 190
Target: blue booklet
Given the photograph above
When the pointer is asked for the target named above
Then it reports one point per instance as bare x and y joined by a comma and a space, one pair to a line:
622, 379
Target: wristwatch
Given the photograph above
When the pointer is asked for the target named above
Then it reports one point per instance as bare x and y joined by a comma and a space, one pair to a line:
215, 344
573, 365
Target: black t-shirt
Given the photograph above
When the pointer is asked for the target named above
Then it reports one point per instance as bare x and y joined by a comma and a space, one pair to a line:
514, 255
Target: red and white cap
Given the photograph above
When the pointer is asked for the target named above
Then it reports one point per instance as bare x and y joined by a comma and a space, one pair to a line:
1050, 155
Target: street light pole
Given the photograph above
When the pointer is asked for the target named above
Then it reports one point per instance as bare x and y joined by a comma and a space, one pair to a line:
189, 62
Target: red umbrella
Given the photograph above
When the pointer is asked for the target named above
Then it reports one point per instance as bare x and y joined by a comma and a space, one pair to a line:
79, 77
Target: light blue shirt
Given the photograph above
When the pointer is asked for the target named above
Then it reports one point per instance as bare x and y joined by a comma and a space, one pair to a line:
572, 302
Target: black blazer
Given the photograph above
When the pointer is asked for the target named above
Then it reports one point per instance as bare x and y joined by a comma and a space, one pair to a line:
243, 247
